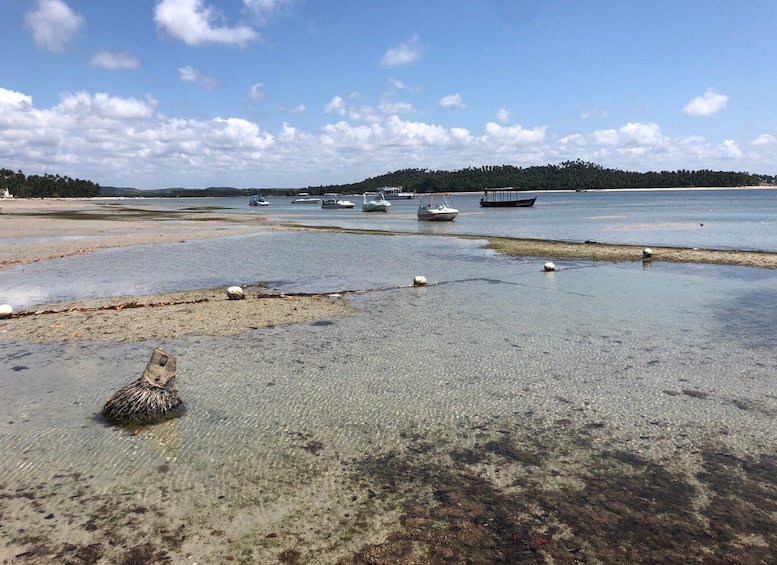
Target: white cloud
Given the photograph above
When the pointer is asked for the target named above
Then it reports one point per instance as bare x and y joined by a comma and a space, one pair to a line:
129, 142
263, 9
53, 24
195, 23
764, 139
336, 106
298, 109
255, 93
109, 60
190, 74
706, 105
730, 149
405, 53
514, 134
503, 115
452, 101
395, 107
594, 114
630, 135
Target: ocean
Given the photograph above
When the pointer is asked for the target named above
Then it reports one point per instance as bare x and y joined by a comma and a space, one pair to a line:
598, 387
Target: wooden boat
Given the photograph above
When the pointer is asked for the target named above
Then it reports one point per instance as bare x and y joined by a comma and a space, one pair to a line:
437, 207
505, 198
375, 202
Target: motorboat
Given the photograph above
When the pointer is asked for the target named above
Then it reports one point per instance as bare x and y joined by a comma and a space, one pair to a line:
258, 200
334, 203
375, 202
437, 207
305, 198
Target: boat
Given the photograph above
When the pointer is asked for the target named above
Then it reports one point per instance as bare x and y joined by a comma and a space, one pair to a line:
305, 198
258, 200
437, 207
333, 202
375, 202
505, 198
395, 193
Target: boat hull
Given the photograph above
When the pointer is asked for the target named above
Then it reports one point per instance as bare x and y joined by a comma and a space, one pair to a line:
438, 215
524, 203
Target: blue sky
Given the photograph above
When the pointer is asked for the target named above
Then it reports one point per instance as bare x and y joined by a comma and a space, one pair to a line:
294, 93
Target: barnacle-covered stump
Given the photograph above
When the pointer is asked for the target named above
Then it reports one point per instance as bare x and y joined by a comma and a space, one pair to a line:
152, 398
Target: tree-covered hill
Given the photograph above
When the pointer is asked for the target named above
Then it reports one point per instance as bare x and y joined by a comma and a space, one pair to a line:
569, 175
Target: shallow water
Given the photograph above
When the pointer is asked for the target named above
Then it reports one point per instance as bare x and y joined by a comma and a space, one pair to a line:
661, 361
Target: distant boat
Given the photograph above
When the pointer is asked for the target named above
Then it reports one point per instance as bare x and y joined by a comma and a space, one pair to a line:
332, 202
395, 193
437, 207
258, 200
306, 200
505, 198
375, 202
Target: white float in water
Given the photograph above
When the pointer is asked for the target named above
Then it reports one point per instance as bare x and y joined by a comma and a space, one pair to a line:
235, 293
549, 267
5, 310
647, 253
419, 280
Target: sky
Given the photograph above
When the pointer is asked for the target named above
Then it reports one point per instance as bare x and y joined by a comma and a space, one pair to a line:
296, 93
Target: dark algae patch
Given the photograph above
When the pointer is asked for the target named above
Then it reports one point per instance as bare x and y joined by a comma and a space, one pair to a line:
551, 505
521, 489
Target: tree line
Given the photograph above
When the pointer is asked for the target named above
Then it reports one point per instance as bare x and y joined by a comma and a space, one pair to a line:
569, 175
46, 186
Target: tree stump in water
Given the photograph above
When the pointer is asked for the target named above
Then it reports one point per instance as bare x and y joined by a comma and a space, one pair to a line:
152, 398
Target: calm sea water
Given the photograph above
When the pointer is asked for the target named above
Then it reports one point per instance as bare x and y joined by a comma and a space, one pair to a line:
496, 338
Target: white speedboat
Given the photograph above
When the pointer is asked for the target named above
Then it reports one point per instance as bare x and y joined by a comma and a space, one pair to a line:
334, 203
375, 202
306, 198
437, 207
258, 200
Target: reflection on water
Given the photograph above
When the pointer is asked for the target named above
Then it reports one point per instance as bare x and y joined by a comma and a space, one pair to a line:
310, 442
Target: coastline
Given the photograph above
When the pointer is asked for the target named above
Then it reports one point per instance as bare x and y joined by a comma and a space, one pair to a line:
60, 228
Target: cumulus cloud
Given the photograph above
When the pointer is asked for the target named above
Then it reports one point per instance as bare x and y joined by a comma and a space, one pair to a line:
452, 101
710, 103
190, 74
405, 53
514, 134
503, 115
195, 23
108, 60
298, 109
764, 139
53, 24
336, 106
130, 142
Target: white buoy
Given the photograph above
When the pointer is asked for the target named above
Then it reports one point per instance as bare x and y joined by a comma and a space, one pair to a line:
647, 253
5, 310
549, 267
419, 280
235, 293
